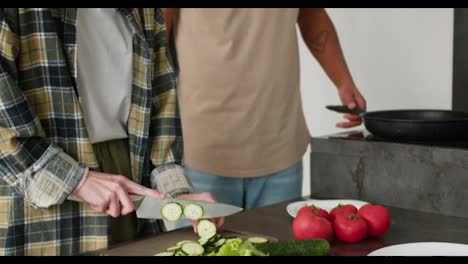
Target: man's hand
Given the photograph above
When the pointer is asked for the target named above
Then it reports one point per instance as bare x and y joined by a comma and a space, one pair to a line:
352, 98
320, 36
109, 193
206, 197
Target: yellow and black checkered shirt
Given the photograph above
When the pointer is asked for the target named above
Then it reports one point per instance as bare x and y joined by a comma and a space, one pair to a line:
44, 146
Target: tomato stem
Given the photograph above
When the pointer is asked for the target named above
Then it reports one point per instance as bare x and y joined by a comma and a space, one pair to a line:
353, 216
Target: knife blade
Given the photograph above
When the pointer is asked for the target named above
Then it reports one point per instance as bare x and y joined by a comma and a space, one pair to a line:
150, 208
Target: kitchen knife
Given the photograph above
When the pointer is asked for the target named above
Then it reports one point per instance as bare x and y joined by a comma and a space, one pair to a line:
150, 208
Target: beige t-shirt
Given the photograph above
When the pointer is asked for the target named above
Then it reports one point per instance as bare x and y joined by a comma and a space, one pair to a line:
239, 91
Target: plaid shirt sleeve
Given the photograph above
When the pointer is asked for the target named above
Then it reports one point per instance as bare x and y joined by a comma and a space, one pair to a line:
167, 146
40, 172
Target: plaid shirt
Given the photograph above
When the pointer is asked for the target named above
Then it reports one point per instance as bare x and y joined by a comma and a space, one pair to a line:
44, 145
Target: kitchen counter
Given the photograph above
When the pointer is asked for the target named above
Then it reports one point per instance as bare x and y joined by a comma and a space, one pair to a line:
274, 221
406, 226
430, 177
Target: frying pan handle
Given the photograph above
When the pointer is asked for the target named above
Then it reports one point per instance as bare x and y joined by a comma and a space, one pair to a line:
345, 110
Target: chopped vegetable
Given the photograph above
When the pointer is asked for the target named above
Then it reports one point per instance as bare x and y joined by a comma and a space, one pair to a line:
309, 247
213, 244
171, 211
183, 241
174, 248
257, 240
204, 240
193, 211
192, 249
206, 228
165, 254
230, 240
219, 242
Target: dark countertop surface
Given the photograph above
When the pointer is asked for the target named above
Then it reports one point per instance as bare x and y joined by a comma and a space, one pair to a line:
406, 226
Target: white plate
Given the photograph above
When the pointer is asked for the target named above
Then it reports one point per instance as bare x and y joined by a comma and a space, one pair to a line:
327, 205
423, 249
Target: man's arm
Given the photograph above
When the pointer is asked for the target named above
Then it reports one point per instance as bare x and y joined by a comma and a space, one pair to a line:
42, 173
320, 36
165, 128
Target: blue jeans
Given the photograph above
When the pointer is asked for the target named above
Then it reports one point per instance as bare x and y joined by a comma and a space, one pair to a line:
250, 192
247, 193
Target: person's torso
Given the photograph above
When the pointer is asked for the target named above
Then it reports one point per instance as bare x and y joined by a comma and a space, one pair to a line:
239, 89
104, 77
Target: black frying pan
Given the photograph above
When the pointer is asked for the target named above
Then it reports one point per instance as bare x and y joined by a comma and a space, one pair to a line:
413, 125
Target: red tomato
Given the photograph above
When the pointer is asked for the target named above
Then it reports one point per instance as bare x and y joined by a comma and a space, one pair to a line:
321, 212
377, 219
307, 225
305, 210
350, 228
346, 209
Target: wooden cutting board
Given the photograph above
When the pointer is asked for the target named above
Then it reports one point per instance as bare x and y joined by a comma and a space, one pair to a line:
153, 245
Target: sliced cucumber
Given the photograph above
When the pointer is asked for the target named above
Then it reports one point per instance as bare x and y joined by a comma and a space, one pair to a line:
192, 249
183, 241
203, 241
209, 249
206, 240
174, 248
214, 238
219, 242
165, 254
171, 211
206, 228
257, 240
233, 239
180, 253
193, 211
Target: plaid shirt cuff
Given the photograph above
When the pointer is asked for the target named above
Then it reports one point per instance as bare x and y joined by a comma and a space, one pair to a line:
170, 180
50, 179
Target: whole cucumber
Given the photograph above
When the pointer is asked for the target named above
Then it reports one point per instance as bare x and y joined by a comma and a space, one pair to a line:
309, 247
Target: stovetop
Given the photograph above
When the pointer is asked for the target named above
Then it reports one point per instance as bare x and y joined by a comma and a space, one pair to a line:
364, 135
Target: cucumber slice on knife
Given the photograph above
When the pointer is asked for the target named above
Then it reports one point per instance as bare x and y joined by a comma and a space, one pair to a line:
206, 229
192, 249
193, 211
171, 211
